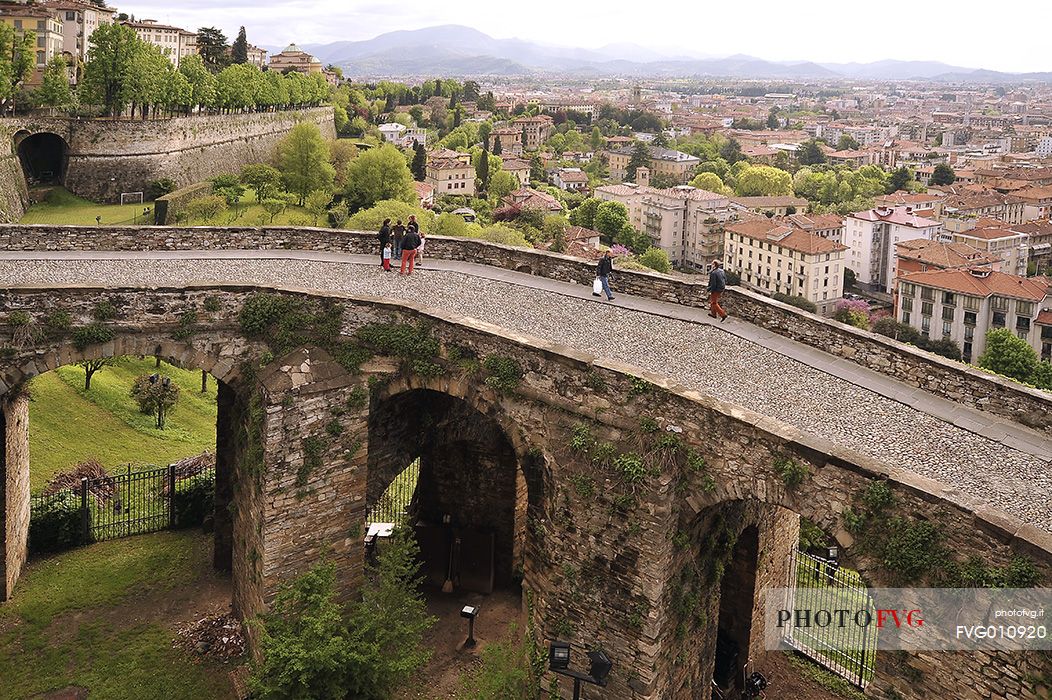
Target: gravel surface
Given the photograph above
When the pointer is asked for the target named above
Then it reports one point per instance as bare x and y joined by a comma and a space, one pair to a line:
699, 356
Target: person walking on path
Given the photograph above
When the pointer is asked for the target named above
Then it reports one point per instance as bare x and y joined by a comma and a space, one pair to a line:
717, 285
410, 242
606, 266
385, 237
397, 234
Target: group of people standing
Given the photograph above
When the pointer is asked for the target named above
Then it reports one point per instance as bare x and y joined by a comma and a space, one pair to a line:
399, 242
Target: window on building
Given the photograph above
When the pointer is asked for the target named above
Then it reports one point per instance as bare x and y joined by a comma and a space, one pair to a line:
969, 318
1022, 324
907, 304
70, 16
927, 293
948, 299
999, 303
969, 332
1024, 308
925, 324
926, 308
998, 320
906, 317
947, 313
946, 328
966, 352
971, 303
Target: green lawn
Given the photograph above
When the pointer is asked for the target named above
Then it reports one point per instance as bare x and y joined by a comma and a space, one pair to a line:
68, 425
102, 617
63, 207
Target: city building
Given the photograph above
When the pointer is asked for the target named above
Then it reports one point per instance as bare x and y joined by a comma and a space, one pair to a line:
775, 205
518, 167
510, 140
538, 130
921, 255
1008, 246
1037, 203
829, 226
775, 258
47, 28
175, 43
257, 56
1039, 244
570, 179
871, 236
425, 193
962, 305
529, 198
293, 59
403, 136
450, 172
663, 161
79, 20
685, 222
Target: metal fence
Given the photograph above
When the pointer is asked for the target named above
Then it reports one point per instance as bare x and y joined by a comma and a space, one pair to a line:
393, 506
132, 502
848, 651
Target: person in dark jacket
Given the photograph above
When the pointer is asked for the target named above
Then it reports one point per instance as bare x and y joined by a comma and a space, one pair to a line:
385, 237
606, 266
397, 233
410, 242
717, 285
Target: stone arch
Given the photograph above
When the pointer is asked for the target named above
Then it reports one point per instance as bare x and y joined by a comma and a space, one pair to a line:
475, 461
44, 156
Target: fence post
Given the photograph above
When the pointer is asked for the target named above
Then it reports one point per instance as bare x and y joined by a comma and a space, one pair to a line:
85, 515
171, 495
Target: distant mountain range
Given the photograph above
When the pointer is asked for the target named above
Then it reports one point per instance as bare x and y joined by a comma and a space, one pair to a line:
455, 50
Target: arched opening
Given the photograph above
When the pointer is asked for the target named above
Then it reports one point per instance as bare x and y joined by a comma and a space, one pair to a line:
737, 601
44, 158
468, 504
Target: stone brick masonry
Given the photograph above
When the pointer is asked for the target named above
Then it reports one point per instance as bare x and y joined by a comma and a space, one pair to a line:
627, 548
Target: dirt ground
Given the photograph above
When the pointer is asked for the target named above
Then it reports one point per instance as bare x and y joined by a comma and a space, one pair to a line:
787, 683
440, 679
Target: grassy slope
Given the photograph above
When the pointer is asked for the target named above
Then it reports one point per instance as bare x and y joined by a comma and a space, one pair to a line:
67, 426
97, 617
63, 207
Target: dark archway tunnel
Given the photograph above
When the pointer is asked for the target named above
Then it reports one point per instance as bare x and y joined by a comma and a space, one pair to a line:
44, 157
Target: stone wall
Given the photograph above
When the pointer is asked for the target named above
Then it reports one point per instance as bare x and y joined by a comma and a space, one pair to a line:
952, 380
14, 490
107, 157
625, 483
13, 195
166, 209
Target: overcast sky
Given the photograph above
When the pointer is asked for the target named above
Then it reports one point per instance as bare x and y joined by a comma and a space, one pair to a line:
967, 33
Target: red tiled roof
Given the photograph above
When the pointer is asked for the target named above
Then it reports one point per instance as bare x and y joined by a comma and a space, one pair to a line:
993, 283
988, 234
786, 236
898, 215
942, 255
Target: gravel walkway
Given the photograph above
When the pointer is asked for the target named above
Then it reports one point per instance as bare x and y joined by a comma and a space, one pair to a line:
699, 356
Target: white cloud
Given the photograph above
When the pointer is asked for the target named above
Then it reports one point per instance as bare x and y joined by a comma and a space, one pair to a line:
959, 33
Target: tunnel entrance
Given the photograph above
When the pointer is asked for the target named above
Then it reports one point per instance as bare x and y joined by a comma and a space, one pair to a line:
43, 157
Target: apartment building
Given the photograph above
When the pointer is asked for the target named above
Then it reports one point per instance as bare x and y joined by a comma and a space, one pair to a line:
1037, 203
570, 179
829, 226
1006, 245
685, 222
403, 136
871, 236
538, 130
1039, 243
257, 56
79, 21
450, 172
175, 43
663, 161
773, 257
45, 27
510, 140
517, 167
962, 305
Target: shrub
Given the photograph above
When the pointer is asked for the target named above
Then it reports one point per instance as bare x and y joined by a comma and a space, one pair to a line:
155, 396
657, 260
792, 472
505, 374
193, 501
890, 328
1009, 355
797, 301
504, 673
945, 347
92, 334
205, 208
159, 188
55, 524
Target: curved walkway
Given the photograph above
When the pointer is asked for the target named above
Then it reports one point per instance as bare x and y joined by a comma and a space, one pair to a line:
988, 460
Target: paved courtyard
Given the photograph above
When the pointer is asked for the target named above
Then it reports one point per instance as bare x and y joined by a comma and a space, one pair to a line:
998, 464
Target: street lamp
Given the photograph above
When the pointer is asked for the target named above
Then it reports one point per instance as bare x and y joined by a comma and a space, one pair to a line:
470, 612
598, 670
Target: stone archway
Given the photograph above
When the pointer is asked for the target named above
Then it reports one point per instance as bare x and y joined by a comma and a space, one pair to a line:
44, 157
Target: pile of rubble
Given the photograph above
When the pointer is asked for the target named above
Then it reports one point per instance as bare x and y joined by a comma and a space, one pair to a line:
217, 637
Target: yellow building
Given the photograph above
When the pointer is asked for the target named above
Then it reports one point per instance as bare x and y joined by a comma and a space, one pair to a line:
293, 59
79, 21
450, 172
663, 161
45, 27
538, 130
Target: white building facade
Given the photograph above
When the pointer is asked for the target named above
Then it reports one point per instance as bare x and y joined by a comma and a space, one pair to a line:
871, 236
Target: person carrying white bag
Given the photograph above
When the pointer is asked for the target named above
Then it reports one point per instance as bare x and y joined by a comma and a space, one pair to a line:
602, 278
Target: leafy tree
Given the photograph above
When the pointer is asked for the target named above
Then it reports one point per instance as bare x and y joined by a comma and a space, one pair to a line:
419, 166
159, 188
156, 396
710, 182
378, 174
1009, 355
202, 82
239, 49
660, 139
656, 259
943, 175
847, 143
731, 151
93, 366
274, 206
899, 180
450, 224
228, 187
303, 159
763, 181
853, 313
316, 204
205, 209
772, 119
506, 235
341, 153
482, 170
370, 219
54, 92
610, 218
811, 153
640, 159
211, 44
263, 179
110, 56
501, 184
584, 214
